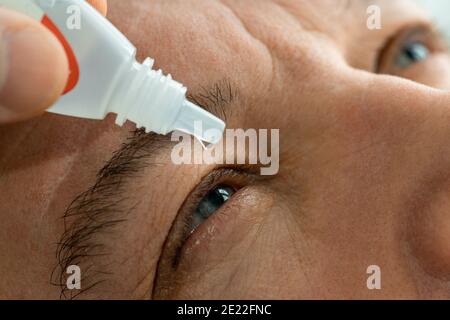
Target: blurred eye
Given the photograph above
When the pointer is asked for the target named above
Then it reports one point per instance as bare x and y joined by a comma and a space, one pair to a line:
410, 47
412, 53
213, 200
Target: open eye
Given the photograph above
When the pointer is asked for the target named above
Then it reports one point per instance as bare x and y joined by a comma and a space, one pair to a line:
411, 53
204, 207
409, 47
214, 215
210, 203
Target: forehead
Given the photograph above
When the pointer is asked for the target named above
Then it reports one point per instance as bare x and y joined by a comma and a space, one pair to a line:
187, 35
203, 42
265, 48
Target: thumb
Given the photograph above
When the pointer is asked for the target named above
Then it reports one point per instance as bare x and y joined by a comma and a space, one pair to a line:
33, 67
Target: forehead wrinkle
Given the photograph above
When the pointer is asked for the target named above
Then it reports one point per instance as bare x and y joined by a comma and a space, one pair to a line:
308, 17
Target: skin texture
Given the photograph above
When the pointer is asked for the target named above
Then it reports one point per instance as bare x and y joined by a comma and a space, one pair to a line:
364, 163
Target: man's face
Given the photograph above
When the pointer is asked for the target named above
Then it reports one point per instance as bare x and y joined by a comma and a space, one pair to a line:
363, 178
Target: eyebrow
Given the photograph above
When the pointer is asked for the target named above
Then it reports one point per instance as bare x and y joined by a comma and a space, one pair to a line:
105, 205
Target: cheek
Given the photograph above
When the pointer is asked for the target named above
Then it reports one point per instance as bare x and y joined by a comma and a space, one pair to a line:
430, 237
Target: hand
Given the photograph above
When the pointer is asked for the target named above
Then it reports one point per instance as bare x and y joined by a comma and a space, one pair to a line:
33, 66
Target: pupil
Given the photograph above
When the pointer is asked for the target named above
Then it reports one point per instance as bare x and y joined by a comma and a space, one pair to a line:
412, 53
214, 200
416, 52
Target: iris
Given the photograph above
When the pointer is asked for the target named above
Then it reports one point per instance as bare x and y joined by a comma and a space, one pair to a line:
412, 53
210, 203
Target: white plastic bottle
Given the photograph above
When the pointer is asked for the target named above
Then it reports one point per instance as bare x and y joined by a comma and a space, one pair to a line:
106, 78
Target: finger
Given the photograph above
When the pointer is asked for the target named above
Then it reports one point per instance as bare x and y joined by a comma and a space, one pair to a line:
100, 5
33, 67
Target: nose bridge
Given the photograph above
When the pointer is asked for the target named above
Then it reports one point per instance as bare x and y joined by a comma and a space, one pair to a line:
373, 121
397, 125
393, 103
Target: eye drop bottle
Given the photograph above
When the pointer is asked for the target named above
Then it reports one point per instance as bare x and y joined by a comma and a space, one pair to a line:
106, 78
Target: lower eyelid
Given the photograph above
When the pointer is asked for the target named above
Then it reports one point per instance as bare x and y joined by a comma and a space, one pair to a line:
227, 177
177, 250
212, 226
180, 230
236, 224
227, 220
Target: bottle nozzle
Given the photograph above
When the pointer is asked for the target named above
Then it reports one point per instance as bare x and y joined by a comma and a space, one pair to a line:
158, 103
201, 124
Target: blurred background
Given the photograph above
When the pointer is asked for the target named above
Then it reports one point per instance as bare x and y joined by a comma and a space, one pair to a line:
440, 11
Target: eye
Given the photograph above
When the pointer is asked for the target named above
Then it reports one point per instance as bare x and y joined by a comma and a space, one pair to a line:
210, 203
209, 217
205, 206
411, 46
411, 53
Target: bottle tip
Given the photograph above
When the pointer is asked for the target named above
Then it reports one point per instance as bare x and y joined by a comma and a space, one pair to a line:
201, 124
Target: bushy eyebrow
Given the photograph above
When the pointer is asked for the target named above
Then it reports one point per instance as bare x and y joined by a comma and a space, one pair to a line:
100, 209
217, 99
105, 205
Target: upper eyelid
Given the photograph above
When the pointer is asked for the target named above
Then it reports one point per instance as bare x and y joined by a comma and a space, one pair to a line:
431, 32
218, 176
